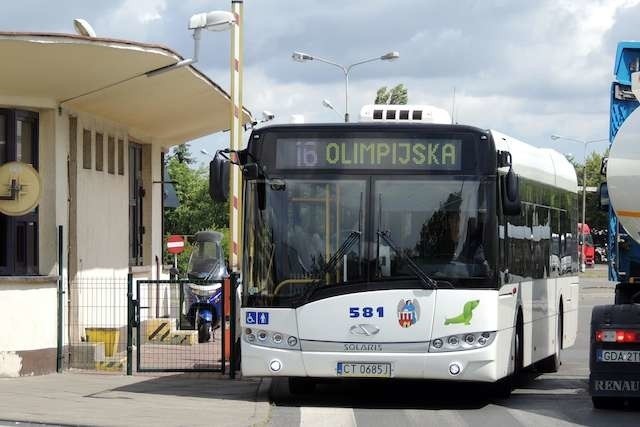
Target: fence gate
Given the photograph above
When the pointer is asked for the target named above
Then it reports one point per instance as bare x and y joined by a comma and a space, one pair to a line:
181, 325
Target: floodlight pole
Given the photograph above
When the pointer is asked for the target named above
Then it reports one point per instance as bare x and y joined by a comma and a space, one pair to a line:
346, 69
584, 187
235, 179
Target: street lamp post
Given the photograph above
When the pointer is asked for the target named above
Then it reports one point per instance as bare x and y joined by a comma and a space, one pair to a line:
584, 181
327, 104
222, 21
303, 57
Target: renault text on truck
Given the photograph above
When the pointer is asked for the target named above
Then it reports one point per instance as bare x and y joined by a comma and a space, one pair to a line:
404, 250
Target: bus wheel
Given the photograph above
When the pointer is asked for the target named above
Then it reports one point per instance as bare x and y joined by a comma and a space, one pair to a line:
552, 363
299, 385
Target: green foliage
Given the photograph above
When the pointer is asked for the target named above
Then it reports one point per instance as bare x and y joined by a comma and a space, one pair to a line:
382, 96
182, 154
596, 218
196, 211
398, 95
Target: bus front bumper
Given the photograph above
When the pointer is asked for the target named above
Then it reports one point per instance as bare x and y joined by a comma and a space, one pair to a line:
484, 364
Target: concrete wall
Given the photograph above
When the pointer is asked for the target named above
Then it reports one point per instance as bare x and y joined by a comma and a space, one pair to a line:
28, 315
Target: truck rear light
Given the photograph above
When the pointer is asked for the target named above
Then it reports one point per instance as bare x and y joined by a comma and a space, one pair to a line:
617, 335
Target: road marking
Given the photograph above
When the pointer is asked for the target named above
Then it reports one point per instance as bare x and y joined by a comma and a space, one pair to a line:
531, 419
330, 417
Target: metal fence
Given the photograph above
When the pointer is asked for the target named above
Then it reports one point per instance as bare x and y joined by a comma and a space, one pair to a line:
181, 325
97, 324
123, 324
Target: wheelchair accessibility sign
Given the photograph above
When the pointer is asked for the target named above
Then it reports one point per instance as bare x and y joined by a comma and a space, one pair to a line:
257, 318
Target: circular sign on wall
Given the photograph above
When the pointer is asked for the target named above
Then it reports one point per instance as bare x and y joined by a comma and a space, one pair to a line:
20, 188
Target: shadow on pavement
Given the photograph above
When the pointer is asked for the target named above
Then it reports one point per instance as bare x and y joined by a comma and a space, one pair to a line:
385, 394
564, 399
201, 385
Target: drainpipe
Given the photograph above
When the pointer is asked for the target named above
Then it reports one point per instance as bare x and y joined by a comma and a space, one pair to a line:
157, 287
60, 306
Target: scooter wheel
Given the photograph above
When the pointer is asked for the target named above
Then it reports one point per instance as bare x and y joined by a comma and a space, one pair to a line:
204, 332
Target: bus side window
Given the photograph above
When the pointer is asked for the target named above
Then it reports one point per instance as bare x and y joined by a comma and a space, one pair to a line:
554, 257
565, 243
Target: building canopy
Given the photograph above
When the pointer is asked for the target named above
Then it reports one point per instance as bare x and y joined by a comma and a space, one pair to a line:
106, 78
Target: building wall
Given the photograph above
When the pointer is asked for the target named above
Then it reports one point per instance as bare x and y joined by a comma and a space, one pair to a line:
28, 312
100, 241
28, 305
102, 208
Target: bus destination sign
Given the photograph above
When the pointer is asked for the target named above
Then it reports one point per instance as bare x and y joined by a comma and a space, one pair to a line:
368, 153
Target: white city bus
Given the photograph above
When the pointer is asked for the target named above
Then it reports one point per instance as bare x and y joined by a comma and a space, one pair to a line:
404, 251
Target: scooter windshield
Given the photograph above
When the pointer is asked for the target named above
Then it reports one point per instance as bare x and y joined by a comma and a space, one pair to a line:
205, 259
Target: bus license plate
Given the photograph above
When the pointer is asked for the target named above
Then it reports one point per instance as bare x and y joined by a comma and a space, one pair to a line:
363, 369
618, 356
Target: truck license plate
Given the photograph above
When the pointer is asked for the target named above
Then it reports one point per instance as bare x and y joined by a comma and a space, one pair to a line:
618, 356
363, 369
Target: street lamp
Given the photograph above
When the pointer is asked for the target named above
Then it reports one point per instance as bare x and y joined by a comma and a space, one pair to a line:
222, 21
584, 181
327, 104
206, 153
217, 20
304, 57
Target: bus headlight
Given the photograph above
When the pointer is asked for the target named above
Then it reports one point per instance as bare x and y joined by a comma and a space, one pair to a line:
264, 338
460, 342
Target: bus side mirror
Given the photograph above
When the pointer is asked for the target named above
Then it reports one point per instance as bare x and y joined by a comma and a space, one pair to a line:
511, 204
219, 179
603, 199
251, 171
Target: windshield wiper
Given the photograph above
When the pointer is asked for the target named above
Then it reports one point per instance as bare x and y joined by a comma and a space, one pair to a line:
351, 239
420, 274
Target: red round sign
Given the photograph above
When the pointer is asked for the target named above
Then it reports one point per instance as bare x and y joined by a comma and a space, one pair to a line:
175, 244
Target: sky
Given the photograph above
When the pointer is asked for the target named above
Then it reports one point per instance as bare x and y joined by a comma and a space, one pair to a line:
528, 68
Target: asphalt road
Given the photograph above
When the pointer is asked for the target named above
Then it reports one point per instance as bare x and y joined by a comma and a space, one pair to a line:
559, 399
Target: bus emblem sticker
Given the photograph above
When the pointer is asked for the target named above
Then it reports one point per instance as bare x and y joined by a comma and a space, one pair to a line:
408, 312
467, 314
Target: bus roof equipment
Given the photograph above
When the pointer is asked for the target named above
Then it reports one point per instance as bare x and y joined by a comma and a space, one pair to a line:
404, 114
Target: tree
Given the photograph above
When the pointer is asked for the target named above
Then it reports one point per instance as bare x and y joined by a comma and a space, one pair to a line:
596, 218
196, 211
182, 154
398, 95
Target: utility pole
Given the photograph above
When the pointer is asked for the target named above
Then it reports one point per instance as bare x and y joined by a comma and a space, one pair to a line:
235, 181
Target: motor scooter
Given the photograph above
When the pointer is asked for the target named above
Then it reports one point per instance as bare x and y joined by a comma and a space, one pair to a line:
203, 293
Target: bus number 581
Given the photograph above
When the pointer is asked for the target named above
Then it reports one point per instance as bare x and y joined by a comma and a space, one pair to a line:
366, 312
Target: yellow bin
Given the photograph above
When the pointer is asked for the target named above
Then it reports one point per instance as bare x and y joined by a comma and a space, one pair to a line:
109, 336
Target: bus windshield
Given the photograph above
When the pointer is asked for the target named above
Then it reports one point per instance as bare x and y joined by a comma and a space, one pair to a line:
439, 223
296, 228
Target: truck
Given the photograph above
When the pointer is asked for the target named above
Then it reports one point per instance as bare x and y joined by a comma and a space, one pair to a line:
615, 328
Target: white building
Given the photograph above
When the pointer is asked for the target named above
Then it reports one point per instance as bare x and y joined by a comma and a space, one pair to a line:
82, 111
